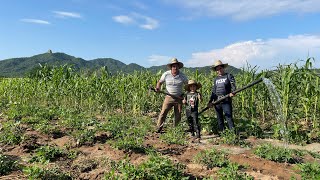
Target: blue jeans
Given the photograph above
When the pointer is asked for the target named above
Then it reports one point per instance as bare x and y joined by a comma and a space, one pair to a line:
226, 108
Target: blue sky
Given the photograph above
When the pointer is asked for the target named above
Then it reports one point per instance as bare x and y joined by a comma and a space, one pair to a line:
150, 32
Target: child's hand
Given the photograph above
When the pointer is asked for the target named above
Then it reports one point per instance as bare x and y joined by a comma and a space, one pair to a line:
184, 101
199, 97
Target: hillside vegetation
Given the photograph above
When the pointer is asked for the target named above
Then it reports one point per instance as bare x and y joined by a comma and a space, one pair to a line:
20, 67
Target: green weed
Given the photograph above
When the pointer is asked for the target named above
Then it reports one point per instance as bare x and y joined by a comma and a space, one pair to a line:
156, 167
310, 170
46, 154
231, 171
11, 133
36, 172
232, 138
174, 135
7, 165
277, 154
212, 158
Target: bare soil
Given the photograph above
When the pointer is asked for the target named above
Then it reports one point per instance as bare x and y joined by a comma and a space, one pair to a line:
89, 162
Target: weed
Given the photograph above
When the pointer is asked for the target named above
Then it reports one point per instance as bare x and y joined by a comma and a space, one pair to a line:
277, 154
156, 167
131, 140
7, 165
212, 158
174, 135
85, 136
310, 170
231, 172
46, 154
232, 138
11, 133
36, 172
127, 133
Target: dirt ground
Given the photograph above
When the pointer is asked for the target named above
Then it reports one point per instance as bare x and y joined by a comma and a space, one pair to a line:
257, 167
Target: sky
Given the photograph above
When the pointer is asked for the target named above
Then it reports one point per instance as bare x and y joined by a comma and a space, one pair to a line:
150, 32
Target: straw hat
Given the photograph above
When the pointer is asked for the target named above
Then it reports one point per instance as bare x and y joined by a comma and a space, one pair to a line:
190, 82
219, 63
175, 61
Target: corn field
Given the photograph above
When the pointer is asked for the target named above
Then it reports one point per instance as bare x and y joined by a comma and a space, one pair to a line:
102, 93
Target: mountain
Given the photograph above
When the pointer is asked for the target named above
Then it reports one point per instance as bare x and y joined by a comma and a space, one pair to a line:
19, 67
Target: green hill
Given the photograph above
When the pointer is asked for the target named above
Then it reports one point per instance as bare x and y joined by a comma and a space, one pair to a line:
19, 67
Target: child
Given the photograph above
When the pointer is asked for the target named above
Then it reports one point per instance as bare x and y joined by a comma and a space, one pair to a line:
192, 99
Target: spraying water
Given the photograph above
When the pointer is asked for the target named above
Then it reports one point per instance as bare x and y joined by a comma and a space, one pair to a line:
276, 102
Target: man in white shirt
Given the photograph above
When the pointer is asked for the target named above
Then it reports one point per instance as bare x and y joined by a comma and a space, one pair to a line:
175, 81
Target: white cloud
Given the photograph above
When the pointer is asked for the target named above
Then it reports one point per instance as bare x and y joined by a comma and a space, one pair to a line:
149, 23
142, 21
157, 60
35, 21
264, 53
64, 14
246, 9
123, 19
140, 5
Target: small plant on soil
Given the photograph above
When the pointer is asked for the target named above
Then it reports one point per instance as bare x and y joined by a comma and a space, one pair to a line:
174, 135
11, 133
73, 154
232, 138
231, 171
132, 139
7, 165
36, 172
84, 136
46, 128
116, 125
161, 167
212, 158
310, 170
156, 167
229, 137
215, 158
46, 154
277, 154
130, 132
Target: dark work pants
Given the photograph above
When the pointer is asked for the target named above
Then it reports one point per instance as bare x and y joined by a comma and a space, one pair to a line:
226, 108
193, 122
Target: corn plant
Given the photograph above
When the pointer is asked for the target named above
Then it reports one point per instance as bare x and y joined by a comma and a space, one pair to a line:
61, 92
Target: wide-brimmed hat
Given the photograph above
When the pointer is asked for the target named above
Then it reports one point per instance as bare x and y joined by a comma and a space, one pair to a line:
191, 82
175, 61
219, 63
